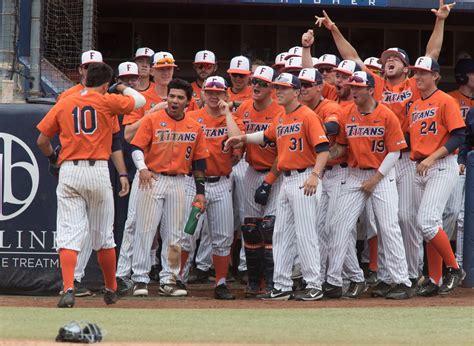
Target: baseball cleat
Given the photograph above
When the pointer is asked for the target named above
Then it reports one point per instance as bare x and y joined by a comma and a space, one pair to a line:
371, 278
110, 297
140, 289
198, 277
380, 290
277, 295
172, 290
428, 289
400, 292
221, 292
80, 290
355, 290
67, 299
124, 286
451, 280
310, 294
251, 292
332, 291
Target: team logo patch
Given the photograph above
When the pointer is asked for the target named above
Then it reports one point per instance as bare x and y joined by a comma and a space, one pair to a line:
152, 105
246, 114
163, 124
199, 120
353, 119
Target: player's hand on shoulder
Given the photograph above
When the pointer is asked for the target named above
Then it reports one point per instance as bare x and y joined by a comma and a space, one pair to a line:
443, 11
146, 179
158, 107
125, 186
307, 39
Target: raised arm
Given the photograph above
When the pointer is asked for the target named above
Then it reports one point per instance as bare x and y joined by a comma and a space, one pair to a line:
433, 48
307, 41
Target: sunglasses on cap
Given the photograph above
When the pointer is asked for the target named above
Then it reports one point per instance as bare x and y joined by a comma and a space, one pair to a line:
215, 85
325, 69
164, 61
203, 66
357, 79
238, 75
261, 83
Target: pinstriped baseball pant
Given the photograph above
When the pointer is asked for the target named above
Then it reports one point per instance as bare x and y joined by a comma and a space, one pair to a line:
253, 180
352, 201
164, 202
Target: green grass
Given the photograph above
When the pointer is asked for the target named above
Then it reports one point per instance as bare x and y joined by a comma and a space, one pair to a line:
447, 326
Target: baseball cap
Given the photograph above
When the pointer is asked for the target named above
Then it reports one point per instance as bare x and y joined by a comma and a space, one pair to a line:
205, 57
287, 80
163, 59
294, 51
127, 68
294, 63
328, 60
239, 64
280, 60
394, 51
347, 67
311, 75
373, 62
426, 63
362, 79
215, 83
265, 73
315, 61
144, 52
91, 56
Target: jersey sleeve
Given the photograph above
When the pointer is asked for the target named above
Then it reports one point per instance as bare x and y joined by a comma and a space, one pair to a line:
240, 124
329, 92
144, 135
270, 132
451, 115
119, 104
201, 146
341, 136
315, 130
332, 113
394, 138
49, 125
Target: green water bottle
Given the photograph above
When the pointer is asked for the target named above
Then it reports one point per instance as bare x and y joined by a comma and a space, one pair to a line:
193, 218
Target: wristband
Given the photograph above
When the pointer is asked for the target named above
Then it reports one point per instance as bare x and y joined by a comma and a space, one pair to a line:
123, 175
270, 178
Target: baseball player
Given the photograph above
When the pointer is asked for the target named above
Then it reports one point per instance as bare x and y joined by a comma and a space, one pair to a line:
127, 75
218, 123
143, 58
239, 72
262, 183
436, 130
302, 149
88, 57
85, 200
326, 65
453, 216
204, 65
279, 62
167, 146
372, 138
397, 92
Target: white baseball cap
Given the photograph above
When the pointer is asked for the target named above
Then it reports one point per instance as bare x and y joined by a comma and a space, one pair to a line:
205, 57
239, 64
294, 51
91, 56
294, 63
128, 68
311, 75
426, 63
362, 79
163, 59
144, 51
373, 62
280, 60
315, 61
328, 60
215, 83
265, 73
347, 67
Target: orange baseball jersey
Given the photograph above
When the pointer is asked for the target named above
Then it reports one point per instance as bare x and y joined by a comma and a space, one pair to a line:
370, 137
196, 90
241, 96
465, 102
330, 111
431, 121
259, 156
329, 91
76, 88
215, 130
84, 122
296, 135
170, 145
398, 97
344, 104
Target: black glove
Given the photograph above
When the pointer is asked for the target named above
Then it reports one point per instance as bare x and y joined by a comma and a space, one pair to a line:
53, 166
262, 193
113, 88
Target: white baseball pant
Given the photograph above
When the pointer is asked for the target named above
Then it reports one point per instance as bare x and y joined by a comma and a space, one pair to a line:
238, 177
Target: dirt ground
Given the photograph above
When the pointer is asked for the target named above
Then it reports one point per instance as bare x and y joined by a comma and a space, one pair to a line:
201, 297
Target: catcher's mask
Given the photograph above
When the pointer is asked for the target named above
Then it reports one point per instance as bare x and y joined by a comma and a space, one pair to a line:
81, 332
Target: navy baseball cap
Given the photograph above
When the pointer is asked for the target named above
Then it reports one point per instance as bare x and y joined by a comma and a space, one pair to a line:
287, 80
395, 51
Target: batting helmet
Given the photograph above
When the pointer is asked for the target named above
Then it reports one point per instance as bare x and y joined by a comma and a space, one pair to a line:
80, 332
462, 68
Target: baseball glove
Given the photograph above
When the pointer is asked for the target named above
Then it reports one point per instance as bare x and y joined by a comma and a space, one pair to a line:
53, 166
262, 193
80, 332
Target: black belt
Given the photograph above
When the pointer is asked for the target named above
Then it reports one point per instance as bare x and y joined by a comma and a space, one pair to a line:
367, 169
215, 179
168, 174
343, 165
289, 173
265, 170
91, 162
